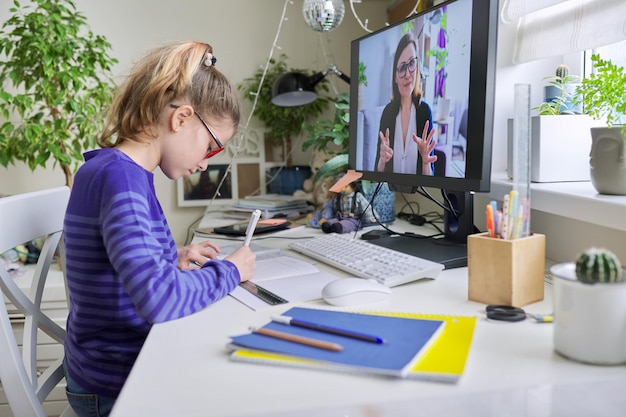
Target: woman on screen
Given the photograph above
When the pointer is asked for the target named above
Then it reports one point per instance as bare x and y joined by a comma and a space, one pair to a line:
406, 117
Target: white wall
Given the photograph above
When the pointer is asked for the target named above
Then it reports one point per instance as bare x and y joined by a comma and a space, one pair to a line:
242, 33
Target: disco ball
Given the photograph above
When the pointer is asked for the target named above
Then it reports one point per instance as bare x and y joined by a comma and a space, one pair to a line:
323, 15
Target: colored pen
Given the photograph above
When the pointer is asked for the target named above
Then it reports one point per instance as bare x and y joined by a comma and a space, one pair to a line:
490, 221
504, 230
254, 219
494, 211
499, 223
298, 339
513, 211
327, 329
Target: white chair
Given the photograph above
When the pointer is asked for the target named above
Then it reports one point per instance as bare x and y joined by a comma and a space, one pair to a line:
23, 218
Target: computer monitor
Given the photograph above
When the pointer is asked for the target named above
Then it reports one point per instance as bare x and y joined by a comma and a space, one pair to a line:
442, 63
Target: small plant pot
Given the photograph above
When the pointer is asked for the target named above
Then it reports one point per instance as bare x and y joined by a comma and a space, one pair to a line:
589, 319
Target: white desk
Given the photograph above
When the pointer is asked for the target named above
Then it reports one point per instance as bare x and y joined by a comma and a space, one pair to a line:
512, 370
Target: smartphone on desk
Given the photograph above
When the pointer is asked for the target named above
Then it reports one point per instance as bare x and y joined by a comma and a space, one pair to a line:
263, 226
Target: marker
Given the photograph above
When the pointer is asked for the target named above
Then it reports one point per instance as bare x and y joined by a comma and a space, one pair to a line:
494, 211
298, 339
490, 221
254, 219
327, 329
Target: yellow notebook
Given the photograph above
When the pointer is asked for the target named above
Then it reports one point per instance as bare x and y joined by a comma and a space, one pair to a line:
444, 361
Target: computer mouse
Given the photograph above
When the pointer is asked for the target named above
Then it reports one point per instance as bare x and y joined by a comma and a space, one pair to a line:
353, 291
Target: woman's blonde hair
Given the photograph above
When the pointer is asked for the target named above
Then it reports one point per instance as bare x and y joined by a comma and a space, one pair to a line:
181, 71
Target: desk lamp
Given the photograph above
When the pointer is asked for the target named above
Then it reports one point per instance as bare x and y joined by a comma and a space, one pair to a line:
297, 89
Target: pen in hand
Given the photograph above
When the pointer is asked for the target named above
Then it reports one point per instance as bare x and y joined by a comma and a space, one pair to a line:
254, 218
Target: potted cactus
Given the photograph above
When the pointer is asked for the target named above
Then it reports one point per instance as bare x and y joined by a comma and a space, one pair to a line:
590, 308
560, 93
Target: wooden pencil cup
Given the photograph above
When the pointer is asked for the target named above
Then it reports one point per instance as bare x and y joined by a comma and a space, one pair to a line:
504, 271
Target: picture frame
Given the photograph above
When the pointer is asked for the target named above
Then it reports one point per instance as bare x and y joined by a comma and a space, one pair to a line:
199, 188
244, 165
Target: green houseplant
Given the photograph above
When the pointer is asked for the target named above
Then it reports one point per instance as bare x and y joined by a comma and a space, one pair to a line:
603, 95
559, 94
589, 291
331, 138
55, 83
282, 122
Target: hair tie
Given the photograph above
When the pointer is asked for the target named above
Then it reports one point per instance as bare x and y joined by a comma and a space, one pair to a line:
210, 60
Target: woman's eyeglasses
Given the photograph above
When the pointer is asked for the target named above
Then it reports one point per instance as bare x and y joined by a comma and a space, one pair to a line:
220, 147
411, 66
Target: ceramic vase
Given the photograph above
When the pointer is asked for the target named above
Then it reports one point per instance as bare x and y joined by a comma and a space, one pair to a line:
589, 319
608, 160
384, 204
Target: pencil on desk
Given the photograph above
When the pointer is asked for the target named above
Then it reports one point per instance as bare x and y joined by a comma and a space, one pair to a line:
327, 329
298, 339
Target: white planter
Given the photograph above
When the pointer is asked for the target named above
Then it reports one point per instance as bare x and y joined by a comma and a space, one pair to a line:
589, 319
608, 160
560, 147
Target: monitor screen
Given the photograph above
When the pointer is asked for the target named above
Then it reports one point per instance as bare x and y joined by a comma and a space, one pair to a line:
442, 63
422, 110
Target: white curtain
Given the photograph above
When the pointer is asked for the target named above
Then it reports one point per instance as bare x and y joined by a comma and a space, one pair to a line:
548, 28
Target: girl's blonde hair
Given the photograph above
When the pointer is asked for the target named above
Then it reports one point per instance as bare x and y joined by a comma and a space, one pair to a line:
165, 74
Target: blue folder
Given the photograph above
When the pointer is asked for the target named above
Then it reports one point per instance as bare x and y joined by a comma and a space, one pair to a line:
406, 338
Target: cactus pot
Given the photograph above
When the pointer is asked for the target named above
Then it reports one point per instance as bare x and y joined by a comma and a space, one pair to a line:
589, 319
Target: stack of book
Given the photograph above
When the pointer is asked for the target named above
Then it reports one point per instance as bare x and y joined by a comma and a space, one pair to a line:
271, 205
405, 345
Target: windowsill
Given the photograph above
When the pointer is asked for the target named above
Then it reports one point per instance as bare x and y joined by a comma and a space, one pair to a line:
574, 200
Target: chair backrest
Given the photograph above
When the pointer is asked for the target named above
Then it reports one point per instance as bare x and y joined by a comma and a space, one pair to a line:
24, 218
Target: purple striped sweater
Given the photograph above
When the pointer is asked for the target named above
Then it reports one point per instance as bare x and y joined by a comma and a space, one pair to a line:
122, 271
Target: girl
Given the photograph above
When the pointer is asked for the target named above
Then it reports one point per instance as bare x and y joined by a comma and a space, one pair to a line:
124, 273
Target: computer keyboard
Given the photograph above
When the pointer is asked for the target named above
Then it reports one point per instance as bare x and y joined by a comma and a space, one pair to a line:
365, 260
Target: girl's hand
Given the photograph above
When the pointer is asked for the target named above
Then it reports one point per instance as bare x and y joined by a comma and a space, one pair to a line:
245, 261
196, 254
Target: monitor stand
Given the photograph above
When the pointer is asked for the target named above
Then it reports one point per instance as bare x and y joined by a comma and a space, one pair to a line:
451, 250
449, 253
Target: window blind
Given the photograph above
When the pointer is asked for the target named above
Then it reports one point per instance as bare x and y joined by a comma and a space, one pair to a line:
548, 28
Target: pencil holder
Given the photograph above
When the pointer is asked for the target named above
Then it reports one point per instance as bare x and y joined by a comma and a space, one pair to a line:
505, 271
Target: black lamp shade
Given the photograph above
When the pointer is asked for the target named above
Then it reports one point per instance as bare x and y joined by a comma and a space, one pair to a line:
293, 89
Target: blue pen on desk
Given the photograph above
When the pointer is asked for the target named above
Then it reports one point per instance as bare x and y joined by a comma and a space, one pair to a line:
327, 329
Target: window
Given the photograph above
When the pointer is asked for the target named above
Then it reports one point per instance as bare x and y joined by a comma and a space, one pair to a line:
616, 52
